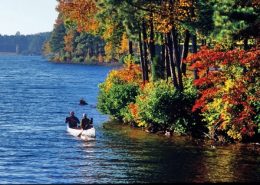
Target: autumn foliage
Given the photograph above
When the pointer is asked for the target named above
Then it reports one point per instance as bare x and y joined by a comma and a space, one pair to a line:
130, 73
119, 90
229, 87
168, 15
81, 11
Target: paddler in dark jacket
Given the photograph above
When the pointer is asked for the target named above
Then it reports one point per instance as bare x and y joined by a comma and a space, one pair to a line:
85, 123
72, 120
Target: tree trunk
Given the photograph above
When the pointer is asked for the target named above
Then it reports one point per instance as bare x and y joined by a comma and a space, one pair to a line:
167, 63
194, 47
166, 59
177, 59
141, 56
163, 59
171, 62
185, 51
246, 47
203, 42
145, 51
152, 46
130, 46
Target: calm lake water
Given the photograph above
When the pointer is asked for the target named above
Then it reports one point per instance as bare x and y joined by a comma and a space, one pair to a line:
35, 98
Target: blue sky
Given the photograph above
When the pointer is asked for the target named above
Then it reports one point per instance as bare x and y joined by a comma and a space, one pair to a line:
27, 16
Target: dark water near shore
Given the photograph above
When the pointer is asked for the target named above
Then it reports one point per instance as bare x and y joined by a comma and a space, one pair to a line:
35, 98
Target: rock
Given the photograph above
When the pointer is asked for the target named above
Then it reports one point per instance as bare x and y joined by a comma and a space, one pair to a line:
167, 133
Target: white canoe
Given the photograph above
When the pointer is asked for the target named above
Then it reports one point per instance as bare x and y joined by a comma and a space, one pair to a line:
87, 135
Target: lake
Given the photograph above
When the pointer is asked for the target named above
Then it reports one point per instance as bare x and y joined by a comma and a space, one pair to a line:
37, 95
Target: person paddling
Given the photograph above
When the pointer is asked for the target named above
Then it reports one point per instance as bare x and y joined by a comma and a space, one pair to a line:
72, 120
85, 123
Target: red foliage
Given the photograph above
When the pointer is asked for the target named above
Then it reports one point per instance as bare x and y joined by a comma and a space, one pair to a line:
215, 70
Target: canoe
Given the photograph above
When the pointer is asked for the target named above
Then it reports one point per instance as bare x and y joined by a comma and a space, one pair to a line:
87, 135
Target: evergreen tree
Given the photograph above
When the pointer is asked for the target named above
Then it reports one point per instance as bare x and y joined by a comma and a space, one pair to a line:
57, 38
235, 20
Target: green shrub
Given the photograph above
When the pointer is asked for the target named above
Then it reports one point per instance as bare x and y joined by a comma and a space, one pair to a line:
180, 126
160, 103
129, 59
115, 101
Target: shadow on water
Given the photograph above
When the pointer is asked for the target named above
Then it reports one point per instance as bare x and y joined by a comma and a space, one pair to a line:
143, 157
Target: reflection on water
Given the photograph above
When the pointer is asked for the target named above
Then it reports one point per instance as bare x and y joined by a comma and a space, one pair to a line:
179, 159
232, 164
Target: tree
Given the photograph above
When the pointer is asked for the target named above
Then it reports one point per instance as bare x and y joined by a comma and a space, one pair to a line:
82, 12
229, 90
57, 36
235, 20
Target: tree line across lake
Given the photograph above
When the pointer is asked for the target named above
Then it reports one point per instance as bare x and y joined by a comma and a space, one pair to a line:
23, 44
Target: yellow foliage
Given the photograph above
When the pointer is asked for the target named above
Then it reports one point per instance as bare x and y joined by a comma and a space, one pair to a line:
234, 134
108, 51
142, 124
109, 80
124, 44
170, 15
229, 84
111, 49
108, 31
216, 104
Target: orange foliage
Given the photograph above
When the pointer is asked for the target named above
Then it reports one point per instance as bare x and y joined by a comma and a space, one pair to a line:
68, 40
130, 73
82, 12
100, 58
133, 108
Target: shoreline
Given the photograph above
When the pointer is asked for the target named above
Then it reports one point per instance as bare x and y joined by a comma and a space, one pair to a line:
112, 64
2, 53
203, 141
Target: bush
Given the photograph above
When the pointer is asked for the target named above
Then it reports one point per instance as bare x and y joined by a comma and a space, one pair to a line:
160, 104
119, 90
123, 96
115, 101
180, 126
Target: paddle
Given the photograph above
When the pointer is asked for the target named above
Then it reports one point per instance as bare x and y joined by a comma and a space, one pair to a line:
80, 133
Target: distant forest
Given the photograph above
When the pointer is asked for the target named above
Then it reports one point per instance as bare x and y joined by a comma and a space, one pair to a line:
23, 44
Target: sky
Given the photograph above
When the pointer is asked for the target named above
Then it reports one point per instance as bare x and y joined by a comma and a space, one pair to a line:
27, 16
